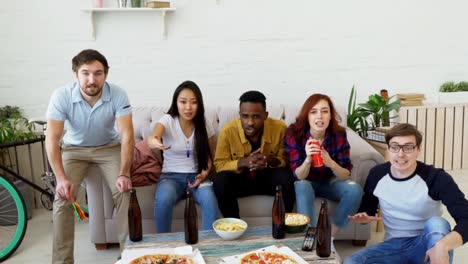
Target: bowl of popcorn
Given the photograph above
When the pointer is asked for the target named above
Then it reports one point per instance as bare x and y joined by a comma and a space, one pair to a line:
229, 228
296, 223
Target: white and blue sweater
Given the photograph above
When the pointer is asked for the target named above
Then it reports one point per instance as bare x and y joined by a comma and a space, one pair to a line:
408, 203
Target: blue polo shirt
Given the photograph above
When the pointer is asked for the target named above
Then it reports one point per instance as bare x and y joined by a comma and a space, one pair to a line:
88, 126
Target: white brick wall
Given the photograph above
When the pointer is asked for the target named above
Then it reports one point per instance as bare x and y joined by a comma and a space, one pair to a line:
287, 49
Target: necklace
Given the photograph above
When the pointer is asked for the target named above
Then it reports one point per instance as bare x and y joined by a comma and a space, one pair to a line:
187, 147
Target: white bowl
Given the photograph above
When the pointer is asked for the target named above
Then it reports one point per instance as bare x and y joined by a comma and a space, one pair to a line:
230, 222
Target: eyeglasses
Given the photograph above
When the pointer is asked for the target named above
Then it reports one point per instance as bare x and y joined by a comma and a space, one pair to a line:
395, 148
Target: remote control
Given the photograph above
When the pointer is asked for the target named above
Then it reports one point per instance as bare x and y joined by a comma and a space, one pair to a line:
309, 239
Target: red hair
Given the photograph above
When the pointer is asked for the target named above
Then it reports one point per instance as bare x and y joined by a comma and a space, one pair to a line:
301, 126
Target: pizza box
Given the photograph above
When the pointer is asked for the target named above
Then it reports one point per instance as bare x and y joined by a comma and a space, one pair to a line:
131, 254
282, 250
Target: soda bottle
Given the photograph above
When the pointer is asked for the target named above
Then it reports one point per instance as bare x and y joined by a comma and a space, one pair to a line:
134, 218
317, 160
190, 219
278, 215
323, 232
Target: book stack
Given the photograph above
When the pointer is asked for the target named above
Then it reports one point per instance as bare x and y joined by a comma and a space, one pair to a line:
158, 4
411, 99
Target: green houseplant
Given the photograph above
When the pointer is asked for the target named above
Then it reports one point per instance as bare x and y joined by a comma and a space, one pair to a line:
379, 108
367, 116
450, 87
14, 126
357, 117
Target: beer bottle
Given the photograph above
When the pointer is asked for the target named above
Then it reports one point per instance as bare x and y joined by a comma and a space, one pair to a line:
190, 219
278, 215
323, 232
134, 218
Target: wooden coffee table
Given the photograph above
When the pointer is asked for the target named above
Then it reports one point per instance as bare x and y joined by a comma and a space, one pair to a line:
213, 248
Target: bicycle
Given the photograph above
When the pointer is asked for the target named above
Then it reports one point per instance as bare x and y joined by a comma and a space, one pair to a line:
13, 212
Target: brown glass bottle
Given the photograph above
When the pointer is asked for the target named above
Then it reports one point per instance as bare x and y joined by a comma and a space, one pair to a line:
323, 232
278, 215
135, 230
190, 220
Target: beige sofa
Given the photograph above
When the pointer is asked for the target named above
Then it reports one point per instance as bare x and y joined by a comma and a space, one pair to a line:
256, 210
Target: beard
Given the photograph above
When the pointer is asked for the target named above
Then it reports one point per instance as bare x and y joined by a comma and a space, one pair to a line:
92, 90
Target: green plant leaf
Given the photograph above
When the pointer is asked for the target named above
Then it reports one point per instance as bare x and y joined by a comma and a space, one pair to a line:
14, 126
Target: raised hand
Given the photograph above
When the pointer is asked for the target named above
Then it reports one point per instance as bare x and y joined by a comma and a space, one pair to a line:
364, 218
154, 142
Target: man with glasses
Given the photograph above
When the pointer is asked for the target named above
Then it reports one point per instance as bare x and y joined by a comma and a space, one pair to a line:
410, 194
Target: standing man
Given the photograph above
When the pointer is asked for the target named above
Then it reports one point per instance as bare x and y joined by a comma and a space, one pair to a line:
88, 109
410, 194
250, 157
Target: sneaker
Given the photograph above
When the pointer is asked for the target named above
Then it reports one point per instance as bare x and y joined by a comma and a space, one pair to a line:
335, 253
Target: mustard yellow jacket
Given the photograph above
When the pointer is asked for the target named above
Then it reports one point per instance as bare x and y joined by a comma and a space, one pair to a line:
233, 145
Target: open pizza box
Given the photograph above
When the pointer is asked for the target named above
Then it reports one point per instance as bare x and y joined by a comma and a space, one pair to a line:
131, 254
236, 259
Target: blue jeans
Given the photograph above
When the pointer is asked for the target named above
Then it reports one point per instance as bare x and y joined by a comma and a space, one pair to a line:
348, 194
172, 188
406, 249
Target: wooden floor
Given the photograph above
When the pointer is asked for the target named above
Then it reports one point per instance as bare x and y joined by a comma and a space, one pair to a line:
37, 245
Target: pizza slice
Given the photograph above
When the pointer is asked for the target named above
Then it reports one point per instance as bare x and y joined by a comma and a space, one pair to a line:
276, 258
252, 258
163, 259
150, 259
179, 259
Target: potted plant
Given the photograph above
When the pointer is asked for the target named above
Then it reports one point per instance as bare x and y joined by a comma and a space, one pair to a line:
357, 117
379, 108
14, 126
451, 92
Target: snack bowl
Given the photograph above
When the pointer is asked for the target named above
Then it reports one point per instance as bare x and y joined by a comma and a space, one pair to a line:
296, 223
229, 228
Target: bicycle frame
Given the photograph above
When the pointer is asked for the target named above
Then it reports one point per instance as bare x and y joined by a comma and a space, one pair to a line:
18, 176
35, 186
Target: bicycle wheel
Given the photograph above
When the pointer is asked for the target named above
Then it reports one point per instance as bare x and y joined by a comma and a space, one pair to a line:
12, 218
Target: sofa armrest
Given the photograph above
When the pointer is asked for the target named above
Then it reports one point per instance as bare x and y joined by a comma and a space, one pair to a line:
363, 157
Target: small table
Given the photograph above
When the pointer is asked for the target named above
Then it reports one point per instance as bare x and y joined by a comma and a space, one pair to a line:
213, 248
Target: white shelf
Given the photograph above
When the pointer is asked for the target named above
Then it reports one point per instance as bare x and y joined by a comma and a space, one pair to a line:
92, 11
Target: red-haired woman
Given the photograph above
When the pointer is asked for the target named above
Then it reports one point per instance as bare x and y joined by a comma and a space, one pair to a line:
318, 120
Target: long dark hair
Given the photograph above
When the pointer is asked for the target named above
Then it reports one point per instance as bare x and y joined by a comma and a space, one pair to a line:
202, 147
301, 126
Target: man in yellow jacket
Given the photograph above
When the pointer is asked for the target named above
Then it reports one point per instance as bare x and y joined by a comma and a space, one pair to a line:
250, 157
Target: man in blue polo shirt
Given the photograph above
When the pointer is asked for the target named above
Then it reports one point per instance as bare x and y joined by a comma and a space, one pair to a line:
86, 110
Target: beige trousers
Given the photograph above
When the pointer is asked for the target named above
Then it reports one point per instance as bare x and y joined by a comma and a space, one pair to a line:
76, 161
